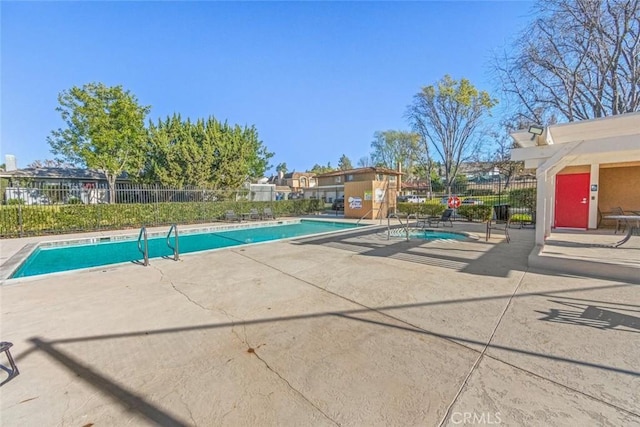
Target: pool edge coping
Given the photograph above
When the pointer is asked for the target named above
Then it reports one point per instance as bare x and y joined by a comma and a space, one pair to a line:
9, 267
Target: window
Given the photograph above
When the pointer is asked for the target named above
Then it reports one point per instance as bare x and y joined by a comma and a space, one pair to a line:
379, 177
303, 182
392, 178
338, 179
349, 178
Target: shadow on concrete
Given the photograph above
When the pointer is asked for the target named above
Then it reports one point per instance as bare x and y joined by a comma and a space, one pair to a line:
128, 399
594, 314
134, 402
497, 260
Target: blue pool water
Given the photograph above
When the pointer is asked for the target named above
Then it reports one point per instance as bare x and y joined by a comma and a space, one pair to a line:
434, 235
63, 258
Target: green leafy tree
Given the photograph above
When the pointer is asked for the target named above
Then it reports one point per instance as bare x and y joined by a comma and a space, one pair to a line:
391, 147
447, 115
204, 153
282, 167
318, 169
104, 130
344, 163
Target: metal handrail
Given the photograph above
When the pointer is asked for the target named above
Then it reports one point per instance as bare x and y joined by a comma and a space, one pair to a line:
404, 226
362, 217
145, 251
176, 251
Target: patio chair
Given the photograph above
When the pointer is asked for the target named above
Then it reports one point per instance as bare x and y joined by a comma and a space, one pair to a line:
267, 214
621, 224
501, 221
231, 216
4, 348
254, 215
444, 218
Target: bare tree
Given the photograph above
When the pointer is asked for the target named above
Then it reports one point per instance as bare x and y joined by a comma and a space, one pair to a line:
579, 59
448, 115
500, 158
365, 162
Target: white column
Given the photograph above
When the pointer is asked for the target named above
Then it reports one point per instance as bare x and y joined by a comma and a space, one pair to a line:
593, 195
541, 206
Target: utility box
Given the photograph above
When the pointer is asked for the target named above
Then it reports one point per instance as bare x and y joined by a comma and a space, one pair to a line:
501, 212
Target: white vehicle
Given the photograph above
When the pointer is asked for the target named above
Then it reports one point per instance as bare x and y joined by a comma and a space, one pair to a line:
416, 199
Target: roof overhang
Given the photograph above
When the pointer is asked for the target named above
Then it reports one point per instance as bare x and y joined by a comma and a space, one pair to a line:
605, 140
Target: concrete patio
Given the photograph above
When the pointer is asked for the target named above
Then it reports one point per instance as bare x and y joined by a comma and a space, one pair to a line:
349, 329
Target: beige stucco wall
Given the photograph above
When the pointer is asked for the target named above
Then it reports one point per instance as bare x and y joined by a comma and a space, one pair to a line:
619, 187
370, 208
575, 169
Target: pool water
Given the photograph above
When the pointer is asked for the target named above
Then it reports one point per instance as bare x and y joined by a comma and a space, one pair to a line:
437, 235
54, 259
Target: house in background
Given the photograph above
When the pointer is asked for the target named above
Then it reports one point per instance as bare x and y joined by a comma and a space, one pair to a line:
296, 184
368, 192
52, 185
583, 169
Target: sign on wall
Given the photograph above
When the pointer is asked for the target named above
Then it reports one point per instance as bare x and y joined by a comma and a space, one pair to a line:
367, 195
379, 195
355, 202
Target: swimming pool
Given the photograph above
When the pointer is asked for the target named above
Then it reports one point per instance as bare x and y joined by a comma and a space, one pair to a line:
64, 256
430, 235
437, 235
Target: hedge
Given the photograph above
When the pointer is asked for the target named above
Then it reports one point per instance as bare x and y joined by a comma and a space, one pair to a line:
54, 219
476, 212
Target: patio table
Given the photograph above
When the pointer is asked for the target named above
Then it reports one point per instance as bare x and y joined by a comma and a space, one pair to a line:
633, 229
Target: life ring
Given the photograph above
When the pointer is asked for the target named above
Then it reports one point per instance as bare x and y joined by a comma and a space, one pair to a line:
454, 202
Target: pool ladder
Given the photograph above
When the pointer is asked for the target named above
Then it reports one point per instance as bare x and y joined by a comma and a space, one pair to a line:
175, 249
142, 238
143, 243
403, 226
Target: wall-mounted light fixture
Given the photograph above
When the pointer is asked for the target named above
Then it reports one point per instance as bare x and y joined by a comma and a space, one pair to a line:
535, 130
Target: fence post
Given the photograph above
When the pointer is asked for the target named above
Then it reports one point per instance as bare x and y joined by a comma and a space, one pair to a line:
20, 216
156, 205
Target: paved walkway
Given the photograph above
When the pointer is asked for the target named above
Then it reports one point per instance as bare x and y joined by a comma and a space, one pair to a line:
342, 330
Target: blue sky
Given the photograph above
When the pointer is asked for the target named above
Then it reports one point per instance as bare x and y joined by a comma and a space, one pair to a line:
317, 79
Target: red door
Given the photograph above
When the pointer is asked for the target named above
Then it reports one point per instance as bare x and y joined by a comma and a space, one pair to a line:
572, 201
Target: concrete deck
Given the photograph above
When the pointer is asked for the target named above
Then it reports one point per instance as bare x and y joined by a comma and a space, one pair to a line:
349, 329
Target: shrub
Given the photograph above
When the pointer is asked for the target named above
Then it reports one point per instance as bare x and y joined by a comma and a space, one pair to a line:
37, 220
422, 209
476, 212
523, 197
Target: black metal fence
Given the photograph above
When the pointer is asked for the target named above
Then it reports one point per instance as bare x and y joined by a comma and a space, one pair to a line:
490, 191
53, 209
61, 208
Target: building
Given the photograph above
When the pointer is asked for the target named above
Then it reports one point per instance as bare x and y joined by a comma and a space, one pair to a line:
51, 185
583, 169
368, 192
295, 184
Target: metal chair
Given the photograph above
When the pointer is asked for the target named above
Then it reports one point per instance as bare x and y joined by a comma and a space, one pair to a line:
501, 221
621, 224
4, 347
446, 217
267, 214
